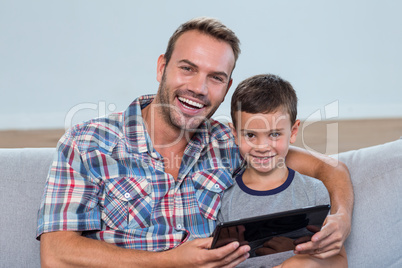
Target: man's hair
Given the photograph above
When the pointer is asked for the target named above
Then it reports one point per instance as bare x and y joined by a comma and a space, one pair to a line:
209, 26
264, 93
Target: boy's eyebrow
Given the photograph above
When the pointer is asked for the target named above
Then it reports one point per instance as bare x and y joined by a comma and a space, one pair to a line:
262, 130
196, 66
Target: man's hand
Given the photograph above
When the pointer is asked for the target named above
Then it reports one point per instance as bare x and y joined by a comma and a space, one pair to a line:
196, 253
336, 178
329, 241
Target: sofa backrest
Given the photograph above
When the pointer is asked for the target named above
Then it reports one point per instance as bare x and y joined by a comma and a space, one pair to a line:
375, 240
376, 172
23, 174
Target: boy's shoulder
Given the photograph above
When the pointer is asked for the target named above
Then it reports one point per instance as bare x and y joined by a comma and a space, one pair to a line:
301, 180
309, 185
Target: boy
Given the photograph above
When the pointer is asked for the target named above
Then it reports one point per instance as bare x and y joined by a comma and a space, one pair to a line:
263, 110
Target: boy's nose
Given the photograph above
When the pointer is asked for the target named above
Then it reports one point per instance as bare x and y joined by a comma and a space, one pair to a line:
263, 145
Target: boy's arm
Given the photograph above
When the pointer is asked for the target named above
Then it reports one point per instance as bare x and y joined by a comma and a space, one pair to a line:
338, 261
336, 178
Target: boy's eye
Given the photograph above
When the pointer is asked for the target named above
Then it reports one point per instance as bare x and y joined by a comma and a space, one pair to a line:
275, 135
249, 135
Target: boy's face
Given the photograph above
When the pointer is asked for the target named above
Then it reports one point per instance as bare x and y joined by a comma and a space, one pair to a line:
264, 139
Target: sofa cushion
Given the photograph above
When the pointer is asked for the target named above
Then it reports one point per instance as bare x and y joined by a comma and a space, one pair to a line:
22, 179
375, 240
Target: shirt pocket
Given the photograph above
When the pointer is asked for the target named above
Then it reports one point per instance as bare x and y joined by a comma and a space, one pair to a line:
127, 204
209, 186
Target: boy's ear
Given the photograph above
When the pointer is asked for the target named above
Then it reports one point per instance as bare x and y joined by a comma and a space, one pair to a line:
233, 129
295, 129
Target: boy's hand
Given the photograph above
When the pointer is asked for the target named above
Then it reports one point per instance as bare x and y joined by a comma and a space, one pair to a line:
329, 241
196, 253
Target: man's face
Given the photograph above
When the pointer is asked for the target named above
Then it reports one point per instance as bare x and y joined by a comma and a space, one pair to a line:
195, 81
264, 139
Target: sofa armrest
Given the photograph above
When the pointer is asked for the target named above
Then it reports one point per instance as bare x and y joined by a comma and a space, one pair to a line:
23, 174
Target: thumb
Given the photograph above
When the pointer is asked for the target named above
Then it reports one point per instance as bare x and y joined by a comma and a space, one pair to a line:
204, 242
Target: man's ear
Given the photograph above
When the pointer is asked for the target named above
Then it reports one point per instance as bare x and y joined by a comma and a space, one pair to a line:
160, 67
233, 129
295, 130
227, 89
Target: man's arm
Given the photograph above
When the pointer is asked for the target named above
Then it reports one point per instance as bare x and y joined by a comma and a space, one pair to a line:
70, 249
336, 178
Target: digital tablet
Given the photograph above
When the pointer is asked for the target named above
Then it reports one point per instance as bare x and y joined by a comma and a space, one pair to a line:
272, 233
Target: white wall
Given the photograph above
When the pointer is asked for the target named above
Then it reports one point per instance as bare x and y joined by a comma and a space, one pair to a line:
88, 57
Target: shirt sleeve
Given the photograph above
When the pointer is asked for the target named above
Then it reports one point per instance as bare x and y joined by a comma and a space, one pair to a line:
70, 199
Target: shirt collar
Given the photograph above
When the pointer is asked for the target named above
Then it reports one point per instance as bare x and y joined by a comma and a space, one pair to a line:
134, 127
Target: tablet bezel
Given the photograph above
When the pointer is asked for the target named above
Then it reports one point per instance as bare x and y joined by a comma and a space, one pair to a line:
320, 212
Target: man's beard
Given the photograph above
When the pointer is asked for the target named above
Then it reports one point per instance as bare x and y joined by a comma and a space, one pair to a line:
173, 116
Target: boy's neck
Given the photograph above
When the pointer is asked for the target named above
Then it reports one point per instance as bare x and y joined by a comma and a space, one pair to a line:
265, 181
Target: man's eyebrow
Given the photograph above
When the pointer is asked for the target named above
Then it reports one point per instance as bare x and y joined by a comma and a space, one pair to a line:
189, 63
196, 66
222, 74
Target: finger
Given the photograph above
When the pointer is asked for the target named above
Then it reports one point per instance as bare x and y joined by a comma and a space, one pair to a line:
326, 254
319, 240
203, 242
322, 234
234, 258
236, 262
314, 249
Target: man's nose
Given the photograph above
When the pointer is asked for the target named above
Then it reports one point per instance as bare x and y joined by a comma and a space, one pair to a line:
199, 84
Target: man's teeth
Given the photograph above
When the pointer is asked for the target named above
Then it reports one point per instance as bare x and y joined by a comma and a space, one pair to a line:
190, 102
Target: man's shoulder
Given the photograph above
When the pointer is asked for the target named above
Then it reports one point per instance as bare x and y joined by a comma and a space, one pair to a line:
103, 132
220, 131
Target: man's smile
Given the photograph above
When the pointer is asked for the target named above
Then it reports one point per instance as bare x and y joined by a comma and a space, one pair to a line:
190, 104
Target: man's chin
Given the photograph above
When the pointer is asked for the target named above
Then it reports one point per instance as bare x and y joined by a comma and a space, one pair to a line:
188, 124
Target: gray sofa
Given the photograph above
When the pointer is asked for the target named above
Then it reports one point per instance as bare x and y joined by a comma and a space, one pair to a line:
375, 241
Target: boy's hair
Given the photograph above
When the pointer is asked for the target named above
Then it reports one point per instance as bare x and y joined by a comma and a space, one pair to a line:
264, 93
209, 26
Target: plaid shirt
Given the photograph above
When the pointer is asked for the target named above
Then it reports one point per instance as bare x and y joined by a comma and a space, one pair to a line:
109, 182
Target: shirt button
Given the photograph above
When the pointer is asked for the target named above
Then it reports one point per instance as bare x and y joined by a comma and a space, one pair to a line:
217, 186
178, 226
127, 195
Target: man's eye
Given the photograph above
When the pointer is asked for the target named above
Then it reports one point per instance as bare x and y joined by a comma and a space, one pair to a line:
186, 68
218, 78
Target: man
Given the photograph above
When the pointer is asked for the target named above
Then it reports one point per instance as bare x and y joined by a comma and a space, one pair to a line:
145, 184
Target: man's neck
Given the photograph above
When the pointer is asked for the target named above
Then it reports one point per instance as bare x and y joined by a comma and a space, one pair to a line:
164, 136
169, 141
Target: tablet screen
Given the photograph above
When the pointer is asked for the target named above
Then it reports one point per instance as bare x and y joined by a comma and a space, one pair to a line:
272, 233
